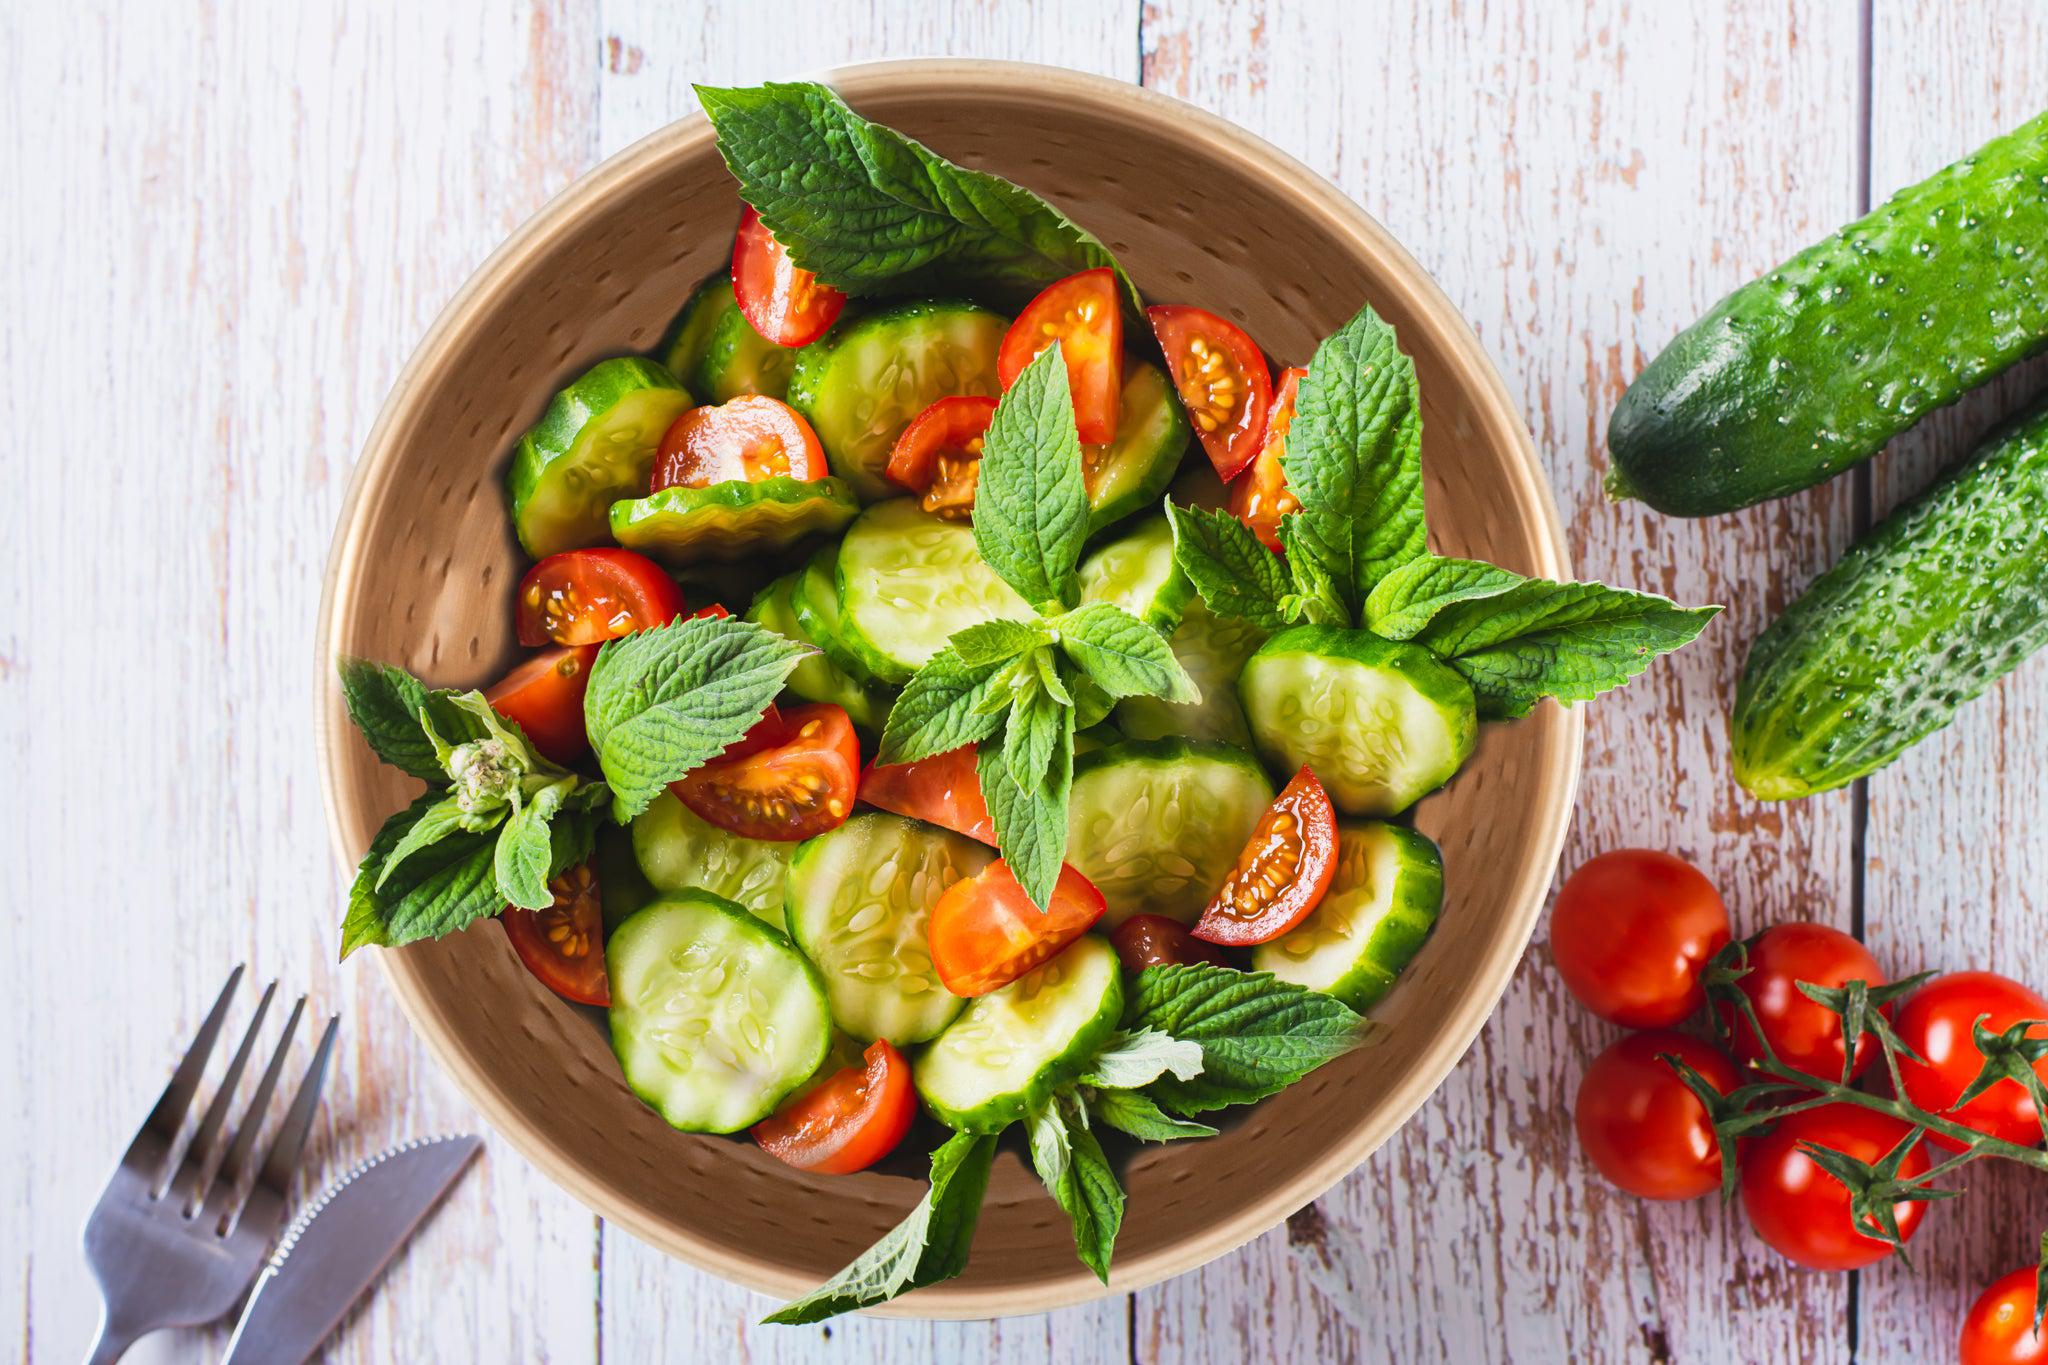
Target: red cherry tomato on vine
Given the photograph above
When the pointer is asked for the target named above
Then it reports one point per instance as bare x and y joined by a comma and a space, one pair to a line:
1806, 1035
1222, 379
1642, 1127
1800, 1210
1938, 1022
1282, 873
585, 597
850, 1121
1155, 941
1631, 932
1999, 1329
544, 698
780, 300
1084, 315
985, 932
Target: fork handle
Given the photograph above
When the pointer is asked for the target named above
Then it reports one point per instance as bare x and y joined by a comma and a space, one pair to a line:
113, 1341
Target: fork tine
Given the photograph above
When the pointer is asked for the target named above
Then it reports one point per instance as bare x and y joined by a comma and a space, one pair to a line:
298, 1121
201, 1153
228, 1177
169, 1113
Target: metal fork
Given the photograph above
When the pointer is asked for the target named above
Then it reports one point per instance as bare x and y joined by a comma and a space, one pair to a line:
172, 1242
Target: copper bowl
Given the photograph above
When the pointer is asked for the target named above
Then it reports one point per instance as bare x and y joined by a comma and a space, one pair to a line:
423, 566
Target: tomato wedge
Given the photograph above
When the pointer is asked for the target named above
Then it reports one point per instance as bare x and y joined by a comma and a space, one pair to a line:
943, 790
848, 1122
939, 455
780, 300
714, 612
1260, 497
563, 945
794, 789
1222, 380
1081, 313
1155, 941
985, 932
1283, 872
544, 697
751, 438
585, 597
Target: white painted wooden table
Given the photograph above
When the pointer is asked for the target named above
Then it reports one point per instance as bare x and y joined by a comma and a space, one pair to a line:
225, 225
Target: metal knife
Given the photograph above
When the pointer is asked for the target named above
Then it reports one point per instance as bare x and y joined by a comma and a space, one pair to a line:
335, 1249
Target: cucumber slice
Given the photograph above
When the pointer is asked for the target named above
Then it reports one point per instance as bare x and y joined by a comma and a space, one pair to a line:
860, 904
715, 1017
737, 359
1152, 432
1136, 572
622, 889
1383, 901
734, 520
689, 336
594, 445
860, 385
1157, 825
1012, 1048
907, 581
677, 850
1382, 723
815, 600
1212, 649
815, 679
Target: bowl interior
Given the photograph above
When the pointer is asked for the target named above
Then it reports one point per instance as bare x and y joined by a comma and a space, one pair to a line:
424, 566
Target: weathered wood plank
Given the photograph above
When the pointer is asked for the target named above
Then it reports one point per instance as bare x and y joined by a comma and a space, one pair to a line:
1583, 182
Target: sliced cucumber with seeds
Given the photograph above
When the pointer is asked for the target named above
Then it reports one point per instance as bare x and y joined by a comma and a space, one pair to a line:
1152, 433
815, 600
677, 850
1212, 649
859, 904
1383, 900
1382, 723
594, 445
1136, 571
715, 1017
816, 678
737, 359
1010, 1049
689, 336
734, 520
861, 383
907, 582
1157, 825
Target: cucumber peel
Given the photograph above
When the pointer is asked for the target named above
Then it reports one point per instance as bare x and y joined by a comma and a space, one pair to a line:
1384, 898
730, 520
594, 445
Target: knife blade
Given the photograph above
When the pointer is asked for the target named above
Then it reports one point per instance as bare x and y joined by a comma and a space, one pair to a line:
337, 1246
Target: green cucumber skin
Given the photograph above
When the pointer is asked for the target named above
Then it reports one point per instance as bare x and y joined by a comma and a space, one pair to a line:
1802, 374
552, 439
1925, 612
732, 520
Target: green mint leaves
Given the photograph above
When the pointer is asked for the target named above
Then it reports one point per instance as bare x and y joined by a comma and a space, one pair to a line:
1258, 1034
1079, 1177
872, 212
1030, 502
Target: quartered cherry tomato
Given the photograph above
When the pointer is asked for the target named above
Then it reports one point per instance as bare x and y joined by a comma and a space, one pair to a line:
1631, 932
985, 932
713, 612
1260, 497
748, 439
943, 790
563, 945
1222, 380
544, 698
1938, 1021
1642, 1127
939, 455
764, 733
1282, 873
1081, 313
1800, 1210
793, 790
585, 597
1999, 1329
1806, 1035
1155, 941
781, 301
846, 1123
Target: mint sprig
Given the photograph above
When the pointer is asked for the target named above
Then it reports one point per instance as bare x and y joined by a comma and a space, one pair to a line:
1030, 500
1077, 1174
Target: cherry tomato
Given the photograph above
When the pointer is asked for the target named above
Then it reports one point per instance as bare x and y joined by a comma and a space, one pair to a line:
713, 612
1260, 497
2000, 1327
1800, 1210
1155, 941
764, 733
985, 932
1938, 1022
1631, 932
1642, 1127
1807, 1036
849, 1122
748, 439
793, 790
544, 697
943, 790
1222, 380
1282, 873
779, 299
585, 597
939, 455
563, 945
1081, 313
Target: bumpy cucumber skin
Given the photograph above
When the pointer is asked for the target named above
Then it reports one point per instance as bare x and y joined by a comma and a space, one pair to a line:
1417, 899
1152, 436
733, 520
552, 440
816, 678
739, 360
689, 336
815, 600
1797, 376
1935, 604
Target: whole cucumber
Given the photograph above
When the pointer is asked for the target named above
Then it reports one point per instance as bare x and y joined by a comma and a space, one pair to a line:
1926, 611
1797, 376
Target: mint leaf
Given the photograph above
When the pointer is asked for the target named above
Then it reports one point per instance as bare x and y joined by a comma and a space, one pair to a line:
663, 701
1029, 735
1070, 1162
1138, 1057
1233, 572
872, 212
1091, 704
1317, 598
1258, 1034
998, 641
1571, 641
1030, 501
437, 822
440, 889
946, 704
1354, 460
1031, 823
1410, 597
1124, 656
525, 849
928, 1246
385, 703
1133, 1112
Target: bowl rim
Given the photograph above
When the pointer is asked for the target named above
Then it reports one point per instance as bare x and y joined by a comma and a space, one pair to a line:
1344, 218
